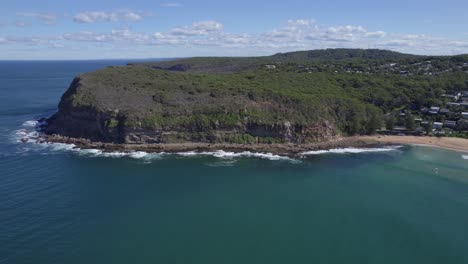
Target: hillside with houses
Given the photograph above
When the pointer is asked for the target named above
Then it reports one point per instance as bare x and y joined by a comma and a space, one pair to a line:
450, 118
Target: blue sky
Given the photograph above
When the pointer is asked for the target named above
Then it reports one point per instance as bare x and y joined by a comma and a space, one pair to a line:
51, 29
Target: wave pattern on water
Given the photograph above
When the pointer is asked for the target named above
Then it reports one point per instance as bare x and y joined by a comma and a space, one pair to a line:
229, 155
350, 150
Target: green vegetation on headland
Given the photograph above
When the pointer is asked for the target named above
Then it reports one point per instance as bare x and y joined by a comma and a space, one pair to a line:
290, 97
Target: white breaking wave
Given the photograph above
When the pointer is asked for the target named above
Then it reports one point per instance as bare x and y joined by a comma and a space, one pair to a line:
30, 123
133, 154
229, 155
30, 134
349, 150
465, 157
99, 153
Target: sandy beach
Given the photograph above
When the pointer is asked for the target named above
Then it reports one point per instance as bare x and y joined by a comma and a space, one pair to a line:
458, 144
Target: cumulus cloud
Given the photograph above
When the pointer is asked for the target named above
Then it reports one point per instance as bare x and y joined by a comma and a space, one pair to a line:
31, 41
123, 35
210, 36
458, 44
376, 34
48, 19
198, 29
95, 16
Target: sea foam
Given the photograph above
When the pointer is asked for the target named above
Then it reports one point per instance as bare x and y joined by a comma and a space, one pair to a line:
30, 123
350, 150
230, 155
465, 157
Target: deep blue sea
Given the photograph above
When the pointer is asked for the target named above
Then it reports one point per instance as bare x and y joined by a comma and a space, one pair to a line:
59, 205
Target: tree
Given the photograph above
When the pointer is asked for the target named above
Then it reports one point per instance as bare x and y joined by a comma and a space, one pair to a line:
374, 119
429, 127
462, 124
409, 122
389, 122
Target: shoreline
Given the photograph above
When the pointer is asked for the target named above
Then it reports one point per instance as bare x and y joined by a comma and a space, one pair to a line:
283, 149
449, 143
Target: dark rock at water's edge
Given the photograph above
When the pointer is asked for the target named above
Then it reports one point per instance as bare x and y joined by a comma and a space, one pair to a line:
283, 149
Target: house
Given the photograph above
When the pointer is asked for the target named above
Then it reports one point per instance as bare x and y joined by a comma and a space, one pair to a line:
437, 125
434, 110
452, 97
399, 130
464, 115
450, 124
452, 104
270, 67
419, 131
444, 111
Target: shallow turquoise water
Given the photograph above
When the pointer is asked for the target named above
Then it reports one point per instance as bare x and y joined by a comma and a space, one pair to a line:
408, 205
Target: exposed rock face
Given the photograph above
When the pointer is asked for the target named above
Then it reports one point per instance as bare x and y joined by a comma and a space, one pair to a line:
95, 110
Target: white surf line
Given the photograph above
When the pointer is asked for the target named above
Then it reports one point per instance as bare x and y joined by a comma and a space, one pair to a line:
350, 150
29, 134
229, 155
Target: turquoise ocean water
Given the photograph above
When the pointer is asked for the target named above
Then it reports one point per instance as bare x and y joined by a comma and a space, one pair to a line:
57, 205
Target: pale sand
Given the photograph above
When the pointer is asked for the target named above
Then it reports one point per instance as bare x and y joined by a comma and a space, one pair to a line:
458, 144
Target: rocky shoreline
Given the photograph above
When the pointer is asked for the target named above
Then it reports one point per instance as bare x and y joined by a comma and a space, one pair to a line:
284, 149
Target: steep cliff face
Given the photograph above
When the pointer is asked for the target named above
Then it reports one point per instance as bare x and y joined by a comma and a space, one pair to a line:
139, 105
81, 121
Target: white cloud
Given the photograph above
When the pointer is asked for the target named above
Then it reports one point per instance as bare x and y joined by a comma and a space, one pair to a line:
123, 35
171, 4
48, 19
94, 16
198, 29
301, 22
211, 37
376, 34
458, 44
20, 24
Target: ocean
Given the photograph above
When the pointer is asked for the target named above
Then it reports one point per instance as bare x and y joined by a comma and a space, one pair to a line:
405, 204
